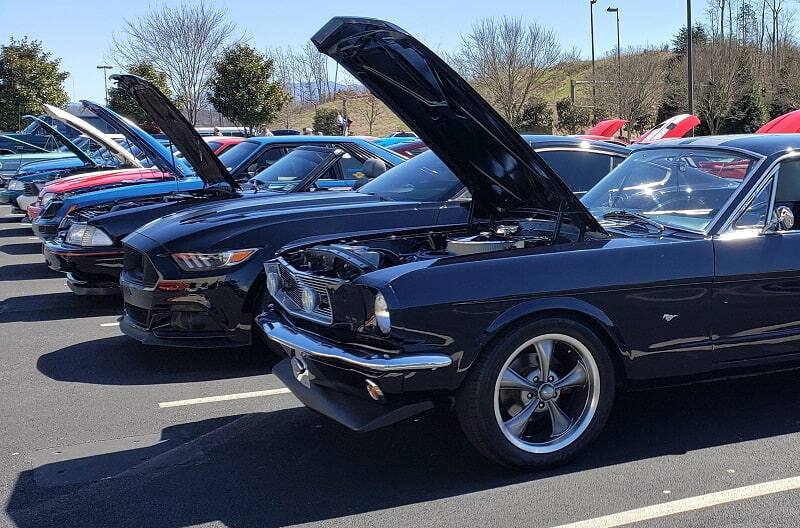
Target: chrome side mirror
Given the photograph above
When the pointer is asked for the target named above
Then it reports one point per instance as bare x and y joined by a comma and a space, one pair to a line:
783, 220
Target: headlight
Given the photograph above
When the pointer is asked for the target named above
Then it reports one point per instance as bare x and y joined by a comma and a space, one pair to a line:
16, 185
86, 235
46, 198
212, 261
382, 316
273, 281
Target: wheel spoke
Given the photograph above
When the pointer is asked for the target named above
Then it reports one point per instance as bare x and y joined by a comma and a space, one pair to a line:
517, 424
544, 351
561, 422
512, 380
576, 378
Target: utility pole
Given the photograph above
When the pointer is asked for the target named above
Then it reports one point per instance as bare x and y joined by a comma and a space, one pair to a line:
689, 57
594, 90
105, 68
615, 10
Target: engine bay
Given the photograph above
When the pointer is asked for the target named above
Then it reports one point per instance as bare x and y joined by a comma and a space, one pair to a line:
350, 259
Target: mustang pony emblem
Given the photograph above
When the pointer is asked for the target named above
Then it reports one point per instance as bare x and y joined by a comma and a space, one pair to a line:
669, 317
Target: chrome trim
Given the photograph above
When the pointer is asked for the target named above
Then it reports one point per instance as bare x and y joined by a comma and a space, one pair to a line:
308, 347
322, 286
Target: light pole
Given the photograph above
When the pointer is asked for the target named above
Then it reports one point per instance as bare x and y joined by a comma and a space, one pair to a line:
615, 10
591, 25
105, 68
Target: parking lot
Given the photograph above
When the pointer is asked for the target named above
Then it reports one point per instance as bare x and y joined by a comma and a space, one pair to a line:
97, 430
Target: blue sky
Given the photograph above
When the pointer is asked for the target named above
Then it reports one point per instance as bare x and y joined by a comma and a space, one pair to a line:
80, 32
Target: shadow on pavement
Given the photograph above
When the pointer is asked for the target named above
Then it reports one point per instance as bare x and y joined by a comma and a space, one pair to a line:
121, 360
55, 306
25, 248
8, 219
16, 232
32, 271
293, 466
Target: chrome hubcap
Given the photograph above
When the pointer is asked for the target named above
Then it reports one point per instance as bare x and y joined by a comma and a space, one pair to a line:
547, 393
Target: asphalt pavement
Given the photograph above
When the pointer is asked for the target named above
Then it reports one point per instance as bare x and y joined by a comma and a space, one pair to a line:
98, 430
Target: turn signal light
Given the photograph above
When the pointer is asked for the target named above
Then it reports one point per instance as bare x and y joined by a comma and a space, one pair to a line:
172, 285
374, 391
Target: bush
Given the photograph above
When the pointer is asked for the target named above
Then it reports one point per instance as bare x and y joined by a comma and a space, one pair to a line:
325, 121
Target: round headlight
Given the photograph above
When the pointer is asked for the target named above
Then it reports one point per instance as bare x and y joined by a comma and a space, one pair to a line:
382, 317
16, 185
273, 282
309, 298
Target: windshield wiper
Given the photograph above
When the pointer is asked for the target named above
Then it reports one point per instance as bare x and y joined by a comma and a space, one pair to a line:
634, 218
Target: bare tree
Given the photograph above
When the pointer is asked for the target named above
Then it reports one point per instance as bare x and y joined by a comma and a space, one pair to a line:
371, 110
717, 83
284, 62
183, 41
509, 61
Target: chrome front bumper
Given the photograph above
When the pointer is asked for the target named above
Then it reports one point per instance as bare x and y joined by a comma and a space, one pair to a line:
24, 201
307, 347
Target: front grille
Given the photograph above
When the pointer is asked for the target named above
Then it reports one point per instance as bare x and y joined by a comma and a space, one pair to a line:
291, 294
138, 268
52, 208
139, 315
31, 189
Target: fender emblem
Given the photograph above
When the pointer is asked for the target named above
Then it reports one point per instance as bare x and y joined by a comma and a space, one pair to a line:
669, 317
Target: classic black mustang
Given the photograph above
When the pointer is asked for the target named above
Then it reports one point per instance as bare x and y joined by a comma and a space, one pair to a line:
679, 264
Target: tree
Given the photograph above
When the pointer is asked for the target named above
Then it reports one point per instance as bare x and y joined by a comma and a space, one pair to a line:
371, 110
29, 77
325, 121
184, 41
510, 61
572, 118
122, 103
699, 37
536, 117
242, 89
748, 112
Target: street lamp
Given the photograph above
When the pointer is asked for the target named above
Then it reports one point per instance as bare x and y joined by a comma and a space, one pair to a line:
615, 10
105, 68
591, 25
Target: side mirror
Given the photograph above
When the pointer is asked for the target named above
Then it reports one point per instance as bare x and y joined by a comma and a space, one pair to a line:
783, 220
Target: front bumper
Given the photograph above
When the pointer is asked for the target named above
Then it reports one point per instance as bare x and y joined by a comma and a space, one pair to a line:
25, 201
334, 379
34, 211
44, 230
90, 271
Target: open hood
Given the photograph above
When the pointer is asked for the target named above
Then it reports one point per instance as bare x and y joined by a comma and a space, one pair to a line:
88, 130
155, 151
492, 160
182, 134
64, 140
788, 123
674, 127
606, 128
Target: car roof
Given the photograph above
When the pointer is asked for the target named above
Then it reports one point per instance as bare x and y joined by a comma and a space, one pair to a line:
302, 139
540, 141
760, 144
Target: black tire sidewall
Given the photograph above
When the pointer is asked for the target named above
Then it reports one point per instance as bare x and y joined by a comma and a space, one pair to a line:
475, 403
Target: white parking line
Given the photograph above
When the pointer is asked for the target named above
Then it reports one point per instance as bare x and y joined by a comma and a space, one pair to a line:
689, 504
116, 323
224, 397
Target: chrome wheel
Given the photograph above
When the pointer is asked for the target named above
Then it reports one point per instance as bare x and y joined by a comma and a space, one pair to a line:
547, 393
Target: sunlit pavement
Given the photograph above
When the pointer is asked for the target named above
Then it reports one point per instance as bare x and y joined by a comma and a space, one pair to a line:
97, 430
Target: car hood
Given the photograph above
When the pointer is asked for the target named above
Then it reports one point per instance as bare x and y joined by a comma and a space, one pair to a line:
606, 128
155, 151
62, 139
171, 121
214, 224
674, 127
88, 130
788, 123
36, 167
101, 178
492, 160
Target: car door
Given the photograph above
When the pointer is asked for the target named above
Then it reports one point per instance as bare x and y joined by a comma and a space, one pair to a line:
266, 158
757, 279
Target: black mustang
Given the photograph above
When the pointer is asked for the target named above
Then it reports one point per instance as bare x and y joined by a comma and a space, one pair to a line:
679, 264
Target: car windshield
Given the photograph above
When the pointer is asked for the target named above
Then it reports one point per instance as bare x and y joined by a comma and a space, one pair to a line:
235, 156
424, 178
680, 187
291, 170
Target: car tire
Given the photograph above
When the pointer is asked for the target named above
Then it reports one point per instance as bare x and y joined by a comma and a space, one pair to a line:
514, 418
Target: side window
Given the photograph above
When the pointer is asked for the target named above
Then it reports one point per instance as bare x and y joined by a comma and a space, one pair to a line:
264, 160
757, 211
351, 167
580, 170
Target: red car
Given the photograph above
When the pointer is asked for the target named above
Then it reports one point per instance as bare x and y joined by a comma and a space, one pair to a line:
77, 182
410, 149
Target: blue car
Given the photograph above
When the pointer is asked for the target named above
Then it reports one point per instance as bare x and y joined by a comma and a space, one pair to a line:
244, 162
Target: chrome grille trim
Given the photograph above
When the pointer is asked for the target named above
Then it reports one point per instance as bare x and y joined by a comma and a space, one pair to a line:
290, 295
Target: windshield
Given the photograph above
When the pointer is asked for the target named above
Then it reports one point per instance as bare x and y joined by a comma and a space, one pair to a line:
424, 178
291, 170
235, 156
681, 187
